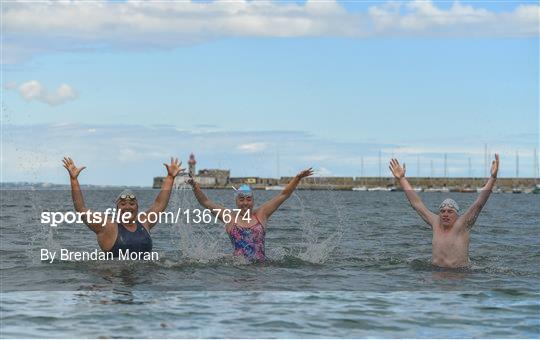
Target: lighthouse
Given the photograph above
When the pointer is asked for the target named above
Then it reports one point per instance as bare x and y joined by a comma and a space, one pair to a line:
191, 164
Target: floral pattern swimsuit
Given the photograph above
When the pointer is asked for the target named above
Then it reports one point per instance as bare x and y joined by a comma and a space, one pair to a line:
249, 242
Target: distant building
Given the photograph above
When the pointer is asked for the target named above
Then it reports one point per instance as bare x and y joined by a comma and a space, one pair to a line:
192, 162
206, 177
158, 181
243, 180
206, 181
254, 181
221, 176
322, 180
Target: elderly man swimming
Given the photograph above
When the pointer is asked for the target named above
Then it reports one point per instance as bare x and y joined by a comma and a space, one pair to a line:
450, 244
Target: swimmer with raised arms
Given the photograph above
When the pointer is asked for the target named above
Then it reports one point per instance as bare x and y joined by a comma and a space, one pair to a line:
450, 243
247, 228
133, 235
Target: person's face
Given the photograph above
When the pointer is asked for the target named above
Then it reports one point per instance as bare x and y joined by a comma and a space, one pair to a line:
448, 217
244, 202
128, 206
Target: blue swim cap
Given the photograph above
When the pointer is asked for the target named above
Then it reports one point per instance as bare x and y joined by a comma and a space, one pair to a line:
244, 191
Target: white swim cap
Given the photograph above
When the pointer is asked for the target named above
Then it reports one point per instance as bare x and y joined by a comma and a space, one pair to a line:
450, 204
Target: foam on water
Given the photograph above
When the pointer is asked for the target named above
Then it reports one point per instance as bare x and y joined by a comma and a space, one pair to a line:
200, 243
315, 247
45, 235
374, 281
196, 242
204, 243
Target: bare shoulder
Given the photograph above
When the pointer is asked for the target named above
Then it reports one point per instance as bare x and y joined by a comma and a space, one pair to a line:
260, 216
435, 225
108, 230
107, 236
463, 223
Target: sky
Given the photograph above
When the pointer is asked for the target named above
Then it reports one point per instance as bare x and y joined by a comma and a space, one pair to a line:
267, 88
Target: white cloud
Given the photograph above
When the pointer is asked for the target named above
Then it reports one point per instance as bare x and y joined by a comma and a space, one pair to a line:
116, 154
252, 147
423, 18
34, 90
139, 24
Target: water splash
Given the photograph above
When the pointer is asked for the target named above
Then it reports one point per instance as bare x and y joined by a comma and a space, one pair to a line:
46, 235
204, 244
316, 247
194, 241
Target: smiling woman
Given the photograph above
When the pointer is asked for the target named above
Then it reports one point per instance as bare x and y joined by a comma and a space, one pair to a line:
247, 231
131, 238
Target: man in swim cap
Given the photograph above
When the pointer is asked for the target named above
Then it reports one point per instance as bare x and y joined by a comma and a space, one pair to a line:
133, 234
247, 229
450, 243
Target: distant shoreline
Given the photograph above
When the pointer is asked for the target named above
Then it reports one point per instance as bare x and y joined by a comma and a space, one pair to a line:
54, 186
427, 184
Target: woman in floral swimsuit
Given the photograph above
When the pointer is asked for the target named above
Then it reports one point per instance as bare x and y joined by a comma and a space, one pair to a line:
247, 229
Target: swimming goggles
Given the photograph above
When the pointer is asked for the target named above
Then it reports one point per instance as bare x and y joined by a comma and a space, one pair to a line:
243, 191
244, 194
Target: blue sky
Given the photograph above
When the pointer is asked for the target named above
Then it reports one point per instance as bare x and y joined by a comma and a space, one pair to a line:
326, 86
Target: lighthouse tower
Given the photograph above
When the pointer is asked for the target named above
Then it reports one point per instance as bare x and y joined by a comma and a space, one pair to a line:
191, 164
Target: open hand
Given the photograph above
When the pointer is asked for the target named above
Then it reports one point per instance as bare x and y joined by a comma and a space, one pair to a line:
174, 168
495, 166
305, 173
397, 170
71, 168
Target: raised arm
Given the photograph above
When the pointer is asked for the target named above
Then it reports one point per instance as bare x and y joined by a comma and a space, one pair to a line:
470, 216
267, 209
77, 196
162, 199
416, 202
215, 208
